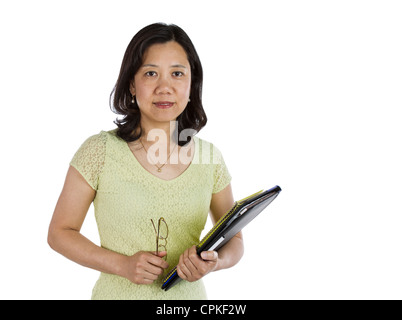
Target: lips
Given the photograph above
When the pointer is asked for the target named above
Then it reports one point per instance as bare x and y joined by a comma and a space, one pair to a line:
163, 104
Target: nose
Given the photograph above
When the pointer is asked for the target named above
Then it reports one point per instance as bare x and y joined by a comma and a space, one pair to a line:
164, 85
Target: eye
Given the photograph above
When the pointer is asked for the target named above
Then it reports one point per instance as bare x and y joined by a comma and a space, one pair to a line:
178, 74
150, 74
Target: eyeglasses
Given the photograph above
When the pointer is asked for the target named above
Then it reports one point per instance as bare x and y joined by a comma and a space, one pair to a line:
161, 234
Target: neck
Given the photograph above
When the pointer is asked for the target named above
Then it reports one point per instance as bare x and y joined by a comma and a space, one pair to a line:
161, 131
159, 143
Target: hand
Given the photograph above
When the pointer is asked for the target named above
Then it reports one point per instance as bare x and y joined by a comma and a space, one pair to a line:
145, 267
192, 267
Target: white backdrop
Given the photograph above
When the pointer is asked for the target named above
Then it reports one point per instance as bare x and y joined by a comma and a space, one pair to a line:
303, 94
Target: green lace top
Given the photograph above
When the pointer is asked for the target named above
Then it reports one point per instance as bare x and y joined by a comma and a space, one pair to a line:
128, 196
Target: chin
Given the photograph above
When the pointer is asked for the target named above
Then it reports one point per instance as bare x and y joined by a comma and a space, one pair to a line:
167, 116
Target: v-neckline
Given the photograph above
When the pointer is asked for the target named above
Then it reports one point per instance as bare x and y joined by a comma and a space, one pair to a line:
142, 168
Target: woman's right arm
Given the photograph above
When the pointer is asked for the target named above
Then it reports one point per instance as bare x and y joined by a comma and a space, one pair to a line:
64, 237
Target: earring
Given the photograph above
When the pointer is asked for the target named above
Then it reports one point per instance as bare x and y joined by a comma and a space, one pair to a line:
132, 100
189, 100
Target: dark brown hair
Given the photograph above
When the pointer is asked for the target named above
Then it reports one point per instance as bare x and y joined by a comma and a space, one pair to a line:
193, 116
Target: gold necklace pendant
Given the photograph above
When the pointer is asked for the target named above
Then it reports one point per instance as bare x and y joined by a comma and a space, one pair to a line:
159, 168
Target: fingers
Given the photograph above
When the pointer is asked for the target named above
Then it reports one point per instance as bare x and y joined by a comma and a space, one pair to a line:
209, 255
192, 268
146, 267
157, 261
186, 268
146, 277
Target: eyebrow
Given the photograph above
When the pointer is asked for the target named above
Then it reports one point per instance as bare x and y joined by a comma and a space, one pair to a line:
156, 66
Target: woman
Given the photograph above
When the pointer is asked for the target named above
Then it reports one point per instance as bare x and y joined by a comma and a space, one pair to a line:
151, 180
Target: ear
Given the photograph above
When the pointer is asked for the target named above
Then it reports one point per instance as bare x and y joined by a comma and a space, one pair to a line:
132, 88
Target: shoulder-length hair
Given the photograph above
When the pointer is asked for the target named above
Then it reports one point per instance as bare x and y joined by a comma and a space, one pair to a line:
121, 100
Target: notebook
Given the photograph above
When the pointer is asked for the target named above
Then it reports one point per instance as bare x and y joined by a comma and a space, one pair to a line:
242, 212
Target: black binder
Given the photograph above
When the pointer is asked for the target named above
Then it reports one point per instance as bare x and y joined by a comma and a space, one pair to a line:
229, 225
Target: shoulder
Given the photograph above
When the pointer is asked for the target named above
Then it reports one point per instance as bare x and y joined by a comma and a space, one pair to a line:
95, 144
95, 139
210, 155
111, 134
90, 158
101, 138
208, 152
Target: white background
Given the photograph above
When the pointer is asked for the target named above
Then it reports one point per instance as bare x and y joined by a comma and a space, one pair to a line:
303, 94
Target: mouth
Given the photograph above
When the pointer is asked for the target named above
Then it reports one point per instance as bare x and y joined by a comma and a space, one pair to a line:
163, 104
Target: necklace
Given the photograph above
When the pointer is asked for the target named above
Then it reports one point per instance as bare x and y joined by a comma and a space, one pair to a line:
159, 168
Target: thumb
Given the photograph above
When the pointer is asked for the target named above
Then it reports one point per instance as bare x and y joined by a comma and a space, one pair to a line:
160, 254
209, 255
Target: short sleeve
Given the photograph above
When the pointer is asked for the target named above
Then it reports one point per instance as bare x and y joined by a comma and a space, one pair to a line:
90, 158
222, 176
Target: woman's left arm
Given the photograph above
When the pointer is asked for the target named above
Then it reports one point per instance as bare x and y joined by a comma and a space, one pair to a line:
192, 267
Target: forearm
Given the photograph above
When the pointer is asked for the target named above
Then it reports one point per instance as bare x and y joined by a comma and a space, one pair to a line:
74, 246
231, 253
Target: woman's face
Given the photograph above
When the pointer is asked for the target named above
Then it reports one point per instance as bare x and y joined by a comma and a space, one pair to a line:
162, 84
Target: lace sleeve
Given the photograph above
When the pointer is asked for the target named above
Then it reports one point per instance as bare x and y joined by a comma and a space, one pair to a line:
90, 158
221, 173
